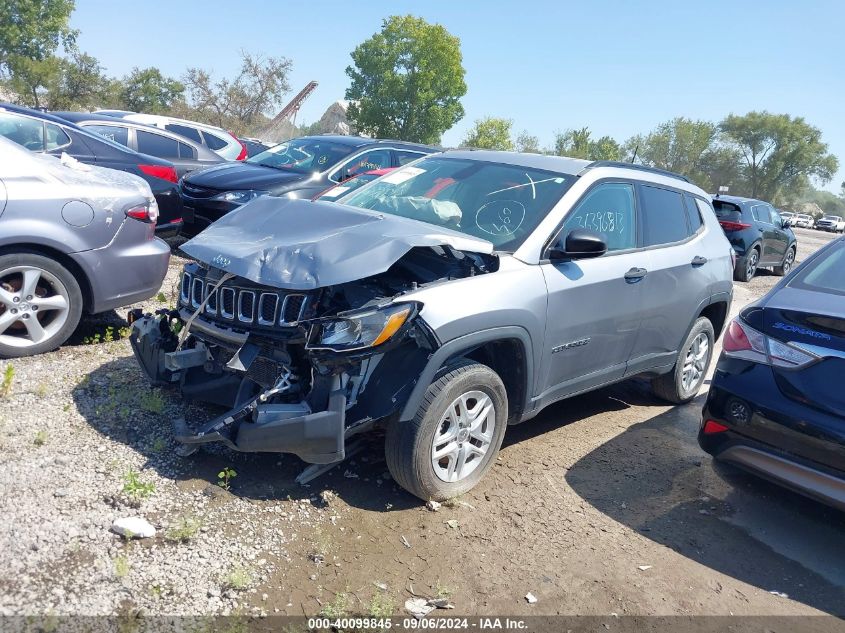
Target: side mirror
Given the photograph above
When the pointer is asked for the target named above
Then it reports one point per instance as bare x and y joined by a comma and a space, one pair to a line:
579, 244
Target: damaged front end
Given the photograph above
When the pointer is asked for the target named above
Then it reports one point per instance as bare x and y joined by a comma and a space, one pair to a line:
298, 371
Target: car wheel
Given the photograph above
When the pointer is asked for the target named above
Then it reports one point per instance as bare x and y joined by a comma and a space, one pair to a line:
746, 267
454, 437
682, 383
40, 304
788, 263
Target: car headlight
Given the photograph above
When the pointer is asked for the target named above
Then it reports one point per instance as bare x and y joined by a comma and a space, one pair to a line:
360, 330
238, 197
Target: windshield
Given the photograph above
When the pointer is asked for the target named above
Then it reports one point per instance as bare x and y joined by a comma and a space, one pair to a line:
496, 202
303, 155
824, 274
833, 218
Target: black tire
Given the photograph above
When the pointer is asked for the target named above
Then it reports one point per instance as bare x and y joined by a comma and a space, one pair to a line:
408, 445
74, 303
670, 386
788, 263
746, 267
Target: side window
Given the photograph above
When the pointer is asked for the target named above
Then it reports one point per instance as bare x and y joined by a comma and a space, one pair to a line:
776, 219
156, 144
368, 161
406, 157
54, 137
664, 216
184, 130
23, 131
111, 132
609, 210
693, 214
213, 142
761, 213
186, 151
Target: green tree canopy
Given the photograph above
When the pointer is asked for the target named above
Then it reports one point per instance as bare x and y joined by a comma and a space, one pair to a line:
580, 144
490, 133
779, 154
147, 90
407, 81
526, 142
33, 29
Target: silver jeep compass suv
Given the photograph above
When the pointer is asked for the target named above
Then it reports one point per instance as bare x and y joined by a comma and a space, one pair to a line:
441, 303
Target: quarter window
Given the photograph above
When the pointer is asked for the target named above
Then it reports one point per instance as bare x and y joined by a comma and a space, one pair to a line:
608, 209
186, 151
213, 142
693, 214
54, 137
664, 216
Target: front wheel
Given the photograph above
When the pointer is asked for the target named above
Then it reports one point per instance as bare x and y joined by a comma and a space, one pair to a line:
40, 304
454, 437
681, 384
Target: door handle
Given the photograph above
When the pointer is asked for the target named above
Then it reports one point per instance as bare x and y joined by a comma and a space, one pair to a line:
635, 274
698, 260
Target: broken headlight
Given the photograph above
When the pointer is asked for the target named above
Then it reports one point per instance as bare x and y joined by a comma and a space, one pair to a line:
360, 330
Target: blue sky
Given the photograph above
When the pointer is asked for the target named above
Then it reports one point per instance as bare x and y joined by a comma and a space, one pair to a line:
619, 68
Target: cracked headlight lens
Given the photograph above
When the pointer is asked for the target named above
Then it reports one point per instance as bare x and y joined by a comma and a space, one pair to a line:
361, 330
238, 197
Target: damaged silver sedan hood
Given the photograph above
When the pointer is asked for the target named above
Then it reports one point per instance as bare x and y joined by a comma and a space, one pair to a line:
302, 245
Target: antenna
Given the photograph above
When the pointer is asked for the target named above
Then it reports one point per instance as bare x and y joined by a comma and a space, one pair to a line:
634, 157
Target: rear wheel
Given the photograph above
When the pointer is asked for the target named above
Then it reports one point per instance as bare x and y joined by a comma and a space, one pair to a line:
788, 263
40, 304
682, 383
454, 437
746, 267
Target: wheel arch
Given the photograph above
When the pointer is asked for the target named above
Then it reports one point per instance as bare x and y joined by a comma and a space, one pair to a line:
493, 347
62, 258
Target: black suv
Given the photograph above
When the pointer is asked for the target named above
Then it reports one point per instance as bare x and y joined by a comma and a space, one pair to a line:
759, 236
299, 168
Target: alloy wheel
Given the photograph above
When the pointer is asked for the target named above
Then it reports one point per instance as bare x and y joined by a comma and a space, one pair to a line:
34, 306
790, 259
695, 363
751, 264
463, 436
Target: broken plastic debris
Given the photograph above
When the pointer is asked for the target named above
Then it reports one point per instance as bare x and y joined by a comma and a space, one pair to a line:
779, 594
418, 607
432, 505
643, 567
380, 585
441, 603
405, 542
530, 598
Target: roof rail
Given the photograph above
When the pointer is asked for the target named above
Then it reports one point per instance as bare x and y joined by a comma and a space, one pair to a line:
651, 170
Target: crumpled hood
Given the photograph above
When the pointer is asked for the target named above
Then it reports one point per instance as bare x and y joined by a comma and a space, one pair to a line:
302, 245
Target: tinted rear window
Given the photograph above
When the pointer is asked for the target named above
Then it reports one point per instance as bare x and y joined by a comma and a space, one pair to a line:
665, 218
184, 130
157, 145
111, 132
727, 211
213, 142
825, 273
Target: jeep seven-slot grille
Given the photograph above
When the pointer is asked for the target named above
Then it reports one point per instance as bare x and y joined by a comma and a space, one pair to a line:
242, 305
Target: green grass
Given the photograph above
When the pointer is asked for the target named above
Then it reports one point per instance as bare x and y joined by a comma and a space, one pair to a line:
121, 566
134, 487
337, 608
152, 402
185, 529
381, 605
239, 578
6, 383
40, 438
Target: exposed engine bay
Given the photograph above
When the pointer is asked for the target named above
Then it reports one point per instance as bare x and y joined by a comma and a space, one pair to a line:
299, 371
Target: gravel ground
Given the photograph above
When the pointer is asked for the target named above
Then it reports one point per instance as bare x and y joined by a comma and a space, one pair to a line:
603, 505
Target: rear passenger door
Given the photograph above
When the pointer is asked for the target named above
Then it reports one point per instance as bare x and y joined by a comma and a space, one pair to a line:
678, 280
774, 239
165, 147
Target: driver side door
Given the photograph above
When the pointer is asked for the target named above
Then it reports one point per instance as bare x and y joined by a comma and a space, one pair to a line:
594, 305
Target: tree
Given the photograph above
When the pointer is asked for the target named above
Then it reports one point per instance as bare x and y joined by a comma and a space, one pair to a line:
525, 142
237, 103
29, 78
78, 84
490, 133
681, 145
147, 90
778, 153
33, 29
580, 144
407, 81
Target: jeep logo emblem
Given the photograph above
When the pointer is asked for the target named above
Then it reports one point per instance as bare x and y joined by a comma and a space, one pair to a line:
221, 261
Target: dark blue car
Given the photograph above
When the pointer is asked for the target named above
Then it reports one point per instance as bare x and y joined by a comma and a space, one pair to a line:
759, 236
777, 404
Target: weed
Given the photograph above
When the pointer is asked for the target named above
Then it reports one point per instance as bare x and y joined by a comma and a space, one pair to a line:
66, 408
152, 402
159, 444
337, 608
134, 487
184, 530
176, 327
121, 566
224, 476
124, 332
382, 605
239, 578
442, 591
42, 390
6, 384
161, 297
40, 438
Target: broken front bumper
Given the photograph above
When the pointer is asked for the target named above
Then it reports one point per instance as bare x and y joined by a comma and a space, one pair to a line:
255, 424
